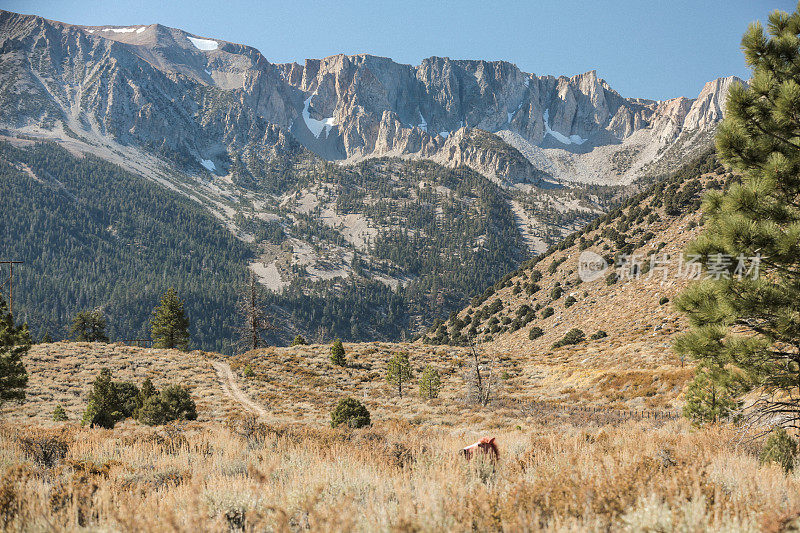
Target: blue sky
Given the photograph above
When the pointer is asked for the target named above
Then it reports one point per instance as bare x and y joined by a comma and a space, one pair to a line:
643, 48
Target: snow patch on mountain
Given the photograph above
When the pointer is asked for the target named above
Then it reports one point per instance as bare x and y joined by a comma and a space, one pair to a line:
209, 164
203, 44
572, 139
316, 126
121, 30
422, 124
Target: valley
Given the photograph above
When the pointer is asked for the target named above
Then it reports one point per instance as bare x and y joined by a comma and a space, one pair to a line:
354, 293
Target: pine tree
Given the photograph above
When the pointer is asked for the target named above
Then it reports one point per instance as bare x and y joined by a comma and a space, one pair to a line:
430, 383
337, 353
89, 326
398, 371
103, 407
712, 396
747, 320
169, 325
15, 341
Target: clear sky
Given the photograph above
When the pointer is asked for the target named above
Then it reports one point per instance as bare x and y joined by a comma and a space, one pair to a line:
644, 48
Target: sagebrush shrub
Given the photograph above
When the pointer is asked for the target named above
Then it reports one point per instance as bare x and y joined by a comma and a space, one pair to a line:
350, 412
573, 336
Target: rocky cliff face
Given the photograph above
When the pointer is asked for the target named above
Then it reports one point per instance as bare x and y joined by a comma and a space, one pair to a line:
205, 100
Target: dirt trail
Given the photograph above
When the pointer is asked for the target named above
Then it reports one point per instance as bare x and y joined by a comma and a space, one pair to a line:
231, 388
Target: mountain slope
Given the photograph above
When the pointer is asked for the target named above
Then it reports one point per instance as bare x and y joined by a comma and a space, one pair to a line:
547, 292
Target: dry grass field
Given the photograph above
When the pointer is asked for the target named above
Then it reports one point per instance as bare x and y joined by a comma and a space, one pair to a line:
249, 476
568, 460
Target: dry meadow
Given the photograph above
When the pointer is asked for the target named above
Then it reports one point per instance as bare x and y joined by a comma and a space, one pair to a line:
569, 459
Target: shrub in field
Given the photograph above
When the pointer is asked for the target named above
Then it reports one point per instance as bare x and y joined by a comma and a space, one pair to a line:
45, 447
780, 448
599, 334
351, 413
299, 340
535, 333
59, 415
573, 336
173, 403
547, 312
127, 398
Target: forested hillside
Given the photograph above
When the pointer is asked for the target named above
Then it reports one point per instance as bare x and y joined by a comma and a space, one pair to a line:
93, 235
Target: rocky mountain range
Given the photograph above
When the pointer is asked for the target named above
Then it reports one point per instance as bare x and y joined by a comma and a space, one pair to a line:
349, 175
204, 100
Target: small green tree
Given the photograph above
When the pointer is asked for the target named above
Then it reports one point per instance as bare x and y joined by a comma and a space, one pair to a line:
398, 371
180, 405
299, 340
153, 412
337, 353
169, 325
430, 383
712, 396
15, 341
103, 409
172, 403
351, 413
780, 448
89, 326
59, 415
535, 333
127, 398
147, 390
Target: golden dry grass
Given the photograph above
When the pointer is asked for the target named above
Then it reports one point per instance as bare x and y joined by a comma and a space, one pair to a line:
391, 477
568, 461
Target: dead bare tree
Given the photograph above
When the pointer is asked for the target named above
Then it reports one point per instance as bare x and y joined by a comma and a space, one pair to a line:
321, 334
479, 385
256, 322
